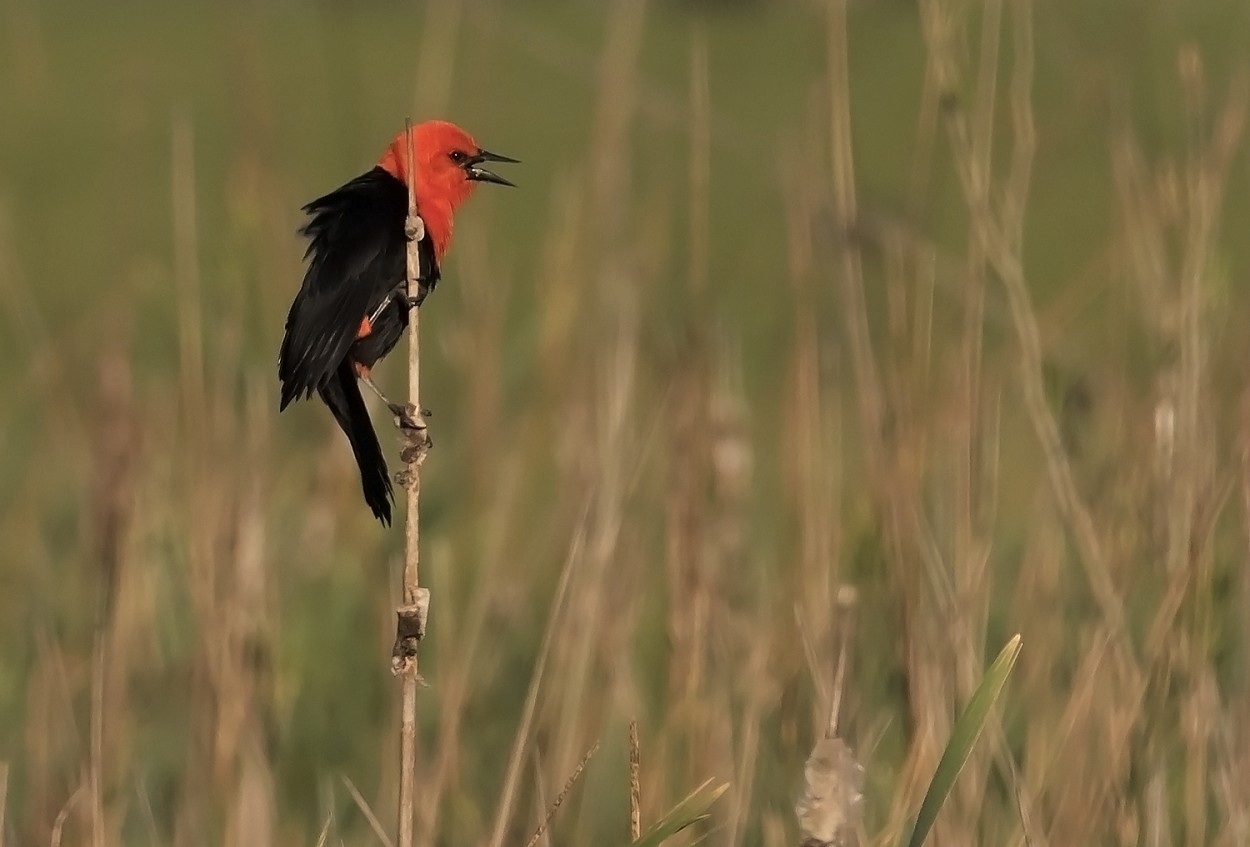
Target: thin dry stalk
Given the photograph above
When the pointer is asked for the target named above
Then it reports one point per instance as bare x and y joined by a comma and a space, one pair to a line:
867, 379
99, 665
204, 493
894, 483
848, 602
608, 433
635, 785
758, 702
1000, 241
365, 810
830, 810
410, 617
455, 685
531, 698
4, 796
560, 798
149, 814
969, 542
112, 511
540, 796
322, 838
58, 826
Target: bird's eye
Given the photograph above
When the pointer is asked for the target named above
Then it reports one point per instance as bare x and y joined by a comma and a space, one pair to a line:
457, 156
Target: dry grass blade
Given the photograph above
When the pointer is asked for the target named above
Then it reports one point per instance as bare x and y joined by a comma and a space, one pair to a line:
540, 797
562, 796
1001, 242
98, 669
4, 796
365, 810
58, 826
830, 811
635, 783
531, 697
324, 835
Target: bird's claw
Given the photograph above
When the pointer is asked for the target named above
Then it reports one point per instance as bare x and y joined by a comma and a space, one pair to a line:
404, 419
416, 432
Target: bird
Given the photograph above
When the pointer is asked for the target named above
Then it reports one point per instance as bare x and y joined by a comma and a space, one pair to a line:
352, 306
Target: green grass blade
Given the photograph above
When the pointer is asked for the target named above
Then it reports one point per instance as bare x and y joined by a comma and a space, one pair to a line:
686, 813
963, 736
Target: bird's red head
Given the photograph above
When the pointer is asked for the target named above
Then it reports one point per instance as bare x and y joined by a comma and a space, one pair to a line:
448, 169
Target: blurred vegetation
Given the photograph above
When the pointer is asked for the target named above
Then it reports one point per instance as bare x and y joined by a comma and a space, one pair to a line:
679, 365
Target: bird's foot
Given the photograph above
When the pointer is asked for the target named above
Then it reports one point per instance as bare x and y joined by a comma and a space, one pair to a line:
406, 417
416, 432
417, 443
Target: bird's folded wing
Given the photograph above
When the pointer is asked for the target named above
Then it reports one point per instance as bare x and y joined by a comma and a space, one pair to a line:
356, 256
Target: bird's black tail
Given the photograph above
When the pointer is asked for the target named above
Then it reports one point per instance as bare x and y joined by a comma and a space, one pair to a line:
342, 394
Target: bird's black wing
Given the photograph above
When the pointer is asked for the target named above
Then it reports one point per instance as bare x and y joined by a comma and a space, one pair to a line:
390, 322
356, 257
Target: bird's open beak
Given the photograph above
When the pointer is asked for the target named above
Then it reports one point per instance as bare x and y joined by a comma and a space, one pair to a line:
481, 174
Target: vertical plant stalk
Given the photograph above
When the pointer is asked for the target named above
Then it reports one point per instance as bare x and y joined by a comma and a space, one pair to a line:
635, 783
561, 797
4, 793
830, 811
411, 614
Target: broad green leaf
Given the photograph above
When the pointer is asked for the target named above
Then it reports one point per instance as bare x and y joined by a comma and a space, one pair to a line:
963, 736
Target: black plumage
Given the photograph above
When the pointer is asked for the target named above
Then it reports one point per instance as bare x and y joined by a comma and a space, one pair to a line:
356, 269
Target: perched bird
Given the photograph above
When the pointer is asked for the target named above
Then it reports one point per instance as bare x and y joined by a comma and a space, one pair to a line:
352, 307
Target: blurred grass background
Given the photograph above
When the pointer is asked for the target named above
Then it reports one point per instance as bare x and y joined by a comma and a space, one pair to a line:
679, 364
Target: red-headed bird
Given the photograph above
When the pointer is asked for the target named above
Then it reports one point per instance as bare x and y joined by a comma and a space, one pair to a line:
352, 307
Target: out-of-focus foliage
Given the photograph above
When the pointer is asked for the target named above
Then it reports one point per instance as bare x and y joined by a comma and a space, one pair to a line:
651, 360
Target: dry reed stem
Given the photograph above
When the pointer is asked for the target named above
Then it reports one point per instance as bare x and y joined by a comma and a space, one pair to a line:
323, 836
4, 797
611, 446
969, 545
99, 665
1029, 834
635, 784
562, 796
540, 796
867, 379
58, 826
455, 685
847, 604
410, 617
1001, 243
830, 810
201, 488
508, 797
894, 486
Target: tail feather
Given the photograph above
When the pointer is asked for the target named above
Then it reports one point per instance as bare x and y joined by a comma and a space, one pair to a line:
342, 394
